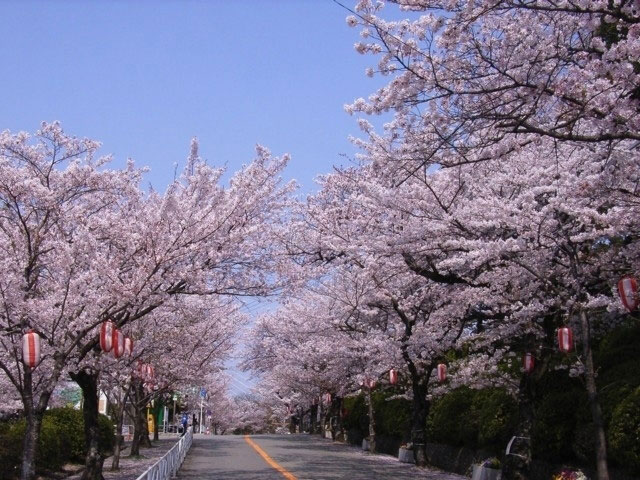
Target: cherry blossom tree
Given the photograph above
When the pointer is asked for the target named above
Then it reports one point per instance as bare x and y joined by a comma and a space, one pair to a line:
472, 81
385, 308
84, 244
471, 257
550, 87
305, 353
53, 194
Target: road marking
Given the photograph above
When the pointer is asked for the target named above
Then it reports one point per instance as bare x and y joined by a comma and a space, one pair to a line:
272, 463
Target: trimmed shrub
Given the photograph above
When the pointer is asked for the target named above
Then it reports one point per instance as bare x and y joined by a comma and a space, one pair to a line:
618, 361
624, 432
473, 418
71, 426
11, 436
50, 455
451, 419
356, 420
497, 414
107, 437
61, 441
554, 426
393, 417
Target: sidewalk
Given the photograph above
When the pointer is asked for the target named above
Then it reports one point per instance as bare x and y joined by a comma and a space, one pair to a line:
132, 468
427, 473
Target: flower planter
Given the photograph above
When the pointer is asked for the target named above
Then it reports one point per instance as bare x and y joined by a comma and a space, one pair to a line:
405, 455
365, 444
484, 473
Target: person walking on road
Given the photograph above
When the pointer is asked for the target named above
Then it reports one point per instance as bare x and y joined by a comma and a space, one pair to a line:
185, 421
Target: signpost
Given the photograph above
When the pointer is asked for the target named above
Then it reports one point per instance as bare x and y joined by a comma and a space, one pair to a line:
203, 394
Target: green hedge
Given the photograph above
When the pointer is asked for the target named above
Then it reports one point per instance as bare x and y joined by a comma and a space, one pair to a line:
462, 417
555, 423
497, 414
393, 417
473, 418
71, 428
624, 432
61, 441
11, 435
450, 419
356, 420
107, 438
562, 429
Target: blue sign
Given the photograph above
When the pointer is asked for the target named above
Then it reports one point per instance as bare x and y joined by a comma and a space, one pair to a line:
203, 393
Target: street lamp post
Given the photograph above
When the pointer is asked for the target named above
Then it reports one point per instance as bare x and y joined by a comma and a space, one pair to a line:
175, 397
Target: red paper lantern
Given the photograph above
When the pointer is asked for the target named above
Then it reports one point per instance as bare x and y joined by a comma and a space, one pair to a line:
128, 346
106, 335
628, 290
371, 384
442, 372
31, 349
393, 376
118, 343
528, 362
565, 339
149, 371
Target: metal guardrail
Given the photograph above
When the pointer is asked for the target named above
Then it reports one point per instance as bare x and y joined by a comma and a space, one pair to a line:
167, 467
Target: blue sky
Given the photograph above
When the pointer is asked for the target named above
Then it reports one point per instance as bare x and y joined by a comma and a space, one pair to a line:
143, 77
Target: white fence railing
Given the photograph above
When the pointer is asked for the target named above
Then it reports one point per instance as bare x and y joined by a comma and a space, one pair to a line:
168, 466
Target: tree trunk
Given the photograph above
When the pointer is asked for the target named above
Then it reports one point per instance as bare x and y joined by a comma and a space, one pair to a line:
372, 422
326, 418
139, 420
88, 382
30, 445
292, 423
30, 440
419, 414
592, 393
34, 411
32, 432
340, 418
138, 432
115, 462
517, 465
314, 418
334, 417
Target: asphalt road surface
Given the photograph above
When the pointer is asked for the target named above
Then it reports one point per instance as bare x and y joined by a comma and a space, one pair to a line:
292, 457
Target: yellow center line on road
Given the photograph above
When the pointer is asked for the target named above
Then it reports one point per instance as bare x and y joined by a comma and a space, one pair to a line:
272, 463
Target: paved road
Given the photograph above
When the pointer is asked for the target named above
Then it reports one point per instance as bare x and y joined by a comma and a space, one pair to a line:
300, 457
